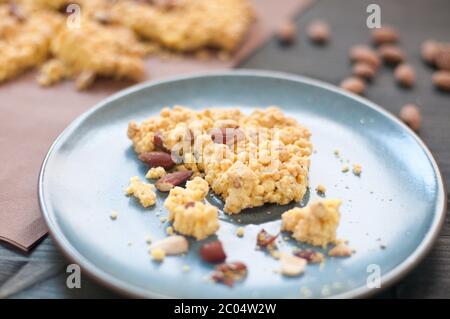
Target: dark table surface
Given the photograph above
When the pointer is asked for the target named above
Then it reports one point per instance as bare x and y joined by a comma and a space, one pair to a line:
41, 273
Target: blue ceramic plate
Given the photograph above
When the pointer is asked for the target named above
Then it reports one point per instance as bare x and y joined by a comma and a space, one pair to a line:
391, 214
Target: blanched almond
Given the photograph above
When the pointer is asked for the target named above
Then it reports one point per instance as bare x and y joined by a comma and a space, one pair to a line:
292, 265
172, 245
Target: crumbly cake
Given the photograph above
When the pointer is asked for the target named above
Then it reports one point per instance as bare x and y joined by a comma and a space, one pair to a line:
314, 224
268, 163
144, 192
187, 211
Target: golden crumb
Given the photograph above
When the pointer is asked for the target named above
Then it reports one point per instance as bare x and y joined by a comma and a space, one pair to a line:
169, 231
341, 250
114, 215
186, 268
240, 232
148, 239
155, 173
158, 254
321, 189
143, 191
345, 169
357, 169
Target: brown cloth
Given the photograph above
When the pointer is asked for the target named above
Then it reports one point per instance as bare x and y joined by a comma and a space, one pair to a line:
31, 118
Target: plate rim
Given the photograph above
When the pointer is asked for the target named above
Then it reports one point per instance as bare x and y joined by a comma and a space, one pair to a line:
130, 290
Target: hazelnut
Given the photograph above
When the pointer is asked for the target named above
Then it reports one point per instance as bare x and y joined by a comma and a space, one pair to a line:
364, 70
363, 53
405, 75
441, 79
354, 85
385, 34
410, 115
391, 54
318, 31
287, 32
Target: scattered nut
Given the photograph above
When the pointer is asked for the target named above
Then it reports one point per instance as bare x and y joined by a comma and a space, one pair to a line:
229, 273
410, 115
169, 181
287, 32
318, 31
84, 80
354, 85
391, 54
340, 250
172, 245
265, 240
385, 34
155, 159
405, 75
429, 50
213, 252
311, 256
442, 58
363, 53
363, 70
292, 265
441, 79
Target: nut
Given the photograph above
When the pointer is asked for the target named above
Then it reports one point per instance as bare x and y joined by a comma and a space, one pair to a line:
340, 250
391, 54
410, 114
155, 159
442, 58
84, 80
287, 32
364, 70
172, 245
385, 34
310, 256
213, 252
441, 79
292, 265
354, 85
362, 53
318, 31
405, 75
158, 142
265, 240
429, 50
229, 273
169, 181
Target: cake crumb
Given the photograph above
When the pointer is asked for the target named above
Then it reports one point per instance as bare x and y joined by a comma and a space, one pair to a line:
158, 254
340, 250
169, 231
114, 215
337, 152
240, 231
306, 292
148, 239
344, 169
357, 169
321, 189
186, 268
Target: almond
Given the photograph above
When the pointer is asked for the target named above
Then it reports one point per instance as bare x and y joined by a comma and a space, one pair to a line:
292, 265
363, 53
229, 273
429, 50
310, 256
318, 32
264, 239
169, 181
172, 245
213, 252
410, 115
391, 54
354, 85
441, 79
287, 32
442, 58
385, 34
158, 142
405, 75
364, 70
155, 159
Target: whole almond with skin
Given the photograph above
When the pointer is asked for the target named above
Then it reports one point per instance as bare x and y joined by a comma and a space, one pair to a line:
363, 53
318, 31
442, 58
213, 252
169, 181
287, 32
354, 85
227, 135
429, 50
405, 75
385, 34
155, 159
391, 54
410, 115
363, 70
441, 79
158, 142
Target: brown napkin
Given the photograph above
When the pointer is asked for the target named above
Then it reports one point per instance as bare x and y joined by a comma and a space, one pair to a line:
32, 117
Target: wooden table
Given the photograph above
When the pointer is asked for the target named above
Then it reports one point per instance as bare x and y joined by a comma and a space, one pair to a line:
417, 20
